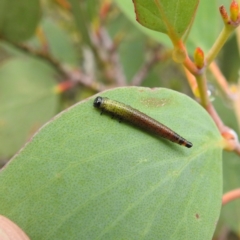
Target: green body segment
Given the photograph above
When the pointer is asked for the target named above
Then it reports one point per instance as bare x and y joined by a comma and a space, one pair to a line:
137, 118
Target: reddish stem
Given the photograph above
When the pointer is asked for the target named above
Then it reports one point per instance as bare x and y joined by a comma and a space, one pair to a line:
230, 196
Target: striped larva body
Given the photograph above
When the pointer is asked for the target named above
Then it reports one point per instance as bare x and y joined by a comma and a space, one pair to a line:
137, 118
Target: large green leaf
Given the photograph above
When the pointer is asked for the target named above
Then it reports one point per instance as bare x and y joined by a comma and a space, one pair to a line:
87, 176
27, 101
206, 12
167, 13
19, 19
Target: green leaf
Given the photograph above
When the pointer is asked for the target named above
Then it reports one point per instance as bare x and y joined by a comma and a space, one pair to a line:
207, 11
127, 8
167, 13
87, 176
19, 19
59, 43
27, 100
81, 20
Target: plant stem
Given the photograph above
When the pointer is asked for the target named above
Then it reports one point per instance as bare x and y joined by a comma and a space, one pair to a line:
221, 81
79, 16
74, 75
203, 91
230, 196
80, 19
192, 82
222, 38
191, 67
236, 105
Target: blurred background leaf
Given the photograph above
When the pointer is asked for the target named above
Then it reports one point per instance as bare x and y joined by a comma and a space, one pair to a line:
19, 19
27, 101
59, 43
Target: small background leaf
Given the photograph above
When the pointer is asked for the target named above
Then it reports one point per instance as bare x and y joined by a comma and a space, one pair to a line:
59, 43
27, 101
19, 19
85, 176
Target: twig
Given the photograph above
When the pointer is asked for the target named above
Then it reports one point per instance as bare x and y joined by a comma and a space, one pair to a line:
40, 54
218, 121
78, 12
221, 80
108, 54
236, 105
192, 82
223, 37
73, 75
147, 66
230, 196
223, 233
231, 139
237, 149
190, 66
78, 76
203, 90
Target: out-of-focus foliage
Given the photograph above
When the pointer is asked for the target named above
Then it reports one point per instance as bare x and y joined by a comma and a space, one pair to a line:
18, 19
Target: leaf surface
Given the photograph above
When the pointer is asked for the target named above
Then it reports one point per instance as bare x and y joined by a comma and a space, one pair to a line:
87, 176
166, 13
27, 101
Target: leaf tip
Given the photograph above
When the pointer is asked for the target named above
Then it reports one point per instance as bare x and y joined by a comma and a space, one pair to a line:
135, 10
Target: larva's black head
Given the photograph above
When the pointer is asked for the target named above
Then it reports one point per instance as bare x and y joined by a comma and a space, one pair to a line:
97, 102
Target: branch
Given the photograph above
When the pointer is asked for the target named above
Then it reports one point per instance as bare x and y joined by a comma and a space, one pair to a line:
192, 82
147, 66
222, 38
72, 75
221, 81
108, 53
230, 196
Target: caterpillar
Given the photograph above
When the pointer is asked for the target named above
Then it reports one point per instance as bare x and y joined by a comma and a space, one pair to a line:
139, 119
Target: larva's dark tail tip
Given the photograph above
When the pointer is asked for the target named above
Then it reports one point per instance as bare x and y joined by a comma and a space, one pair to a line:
188, 145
